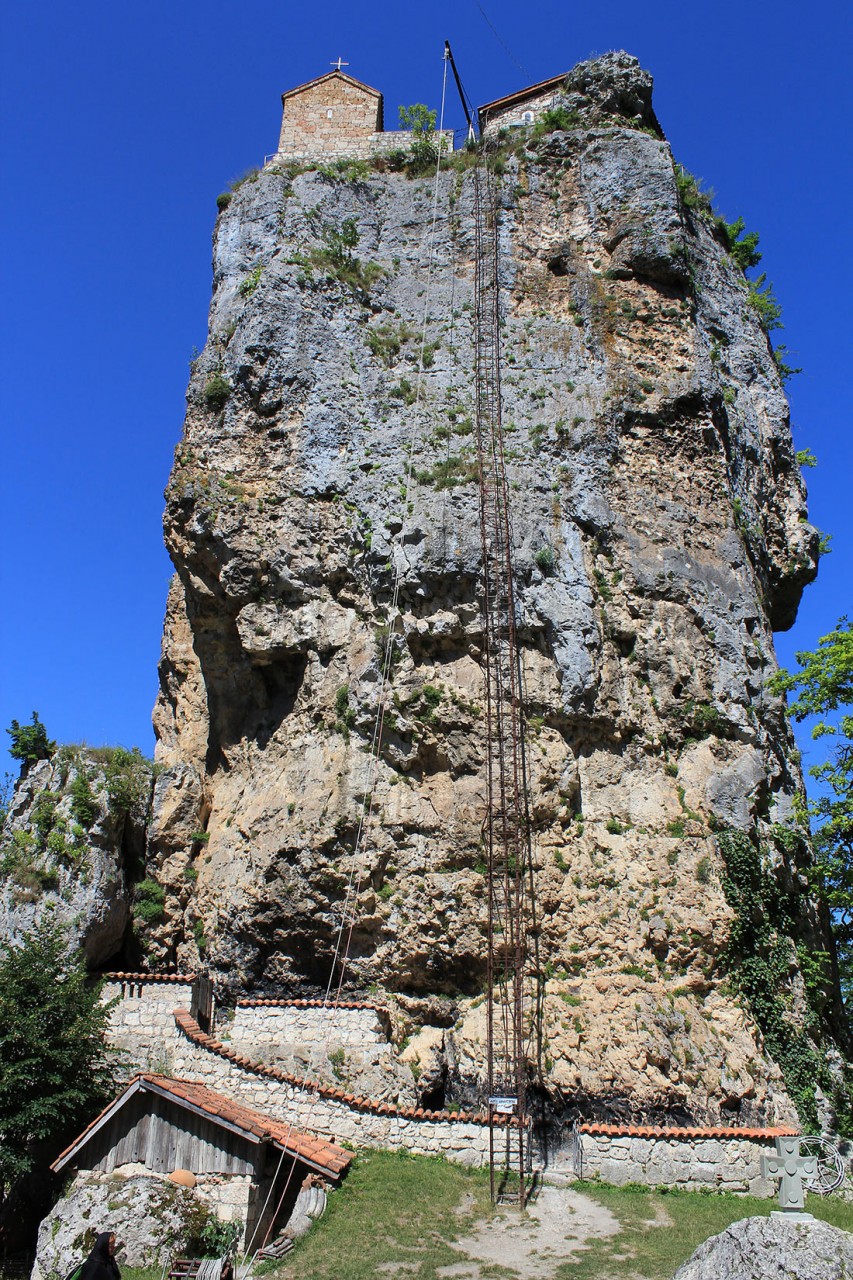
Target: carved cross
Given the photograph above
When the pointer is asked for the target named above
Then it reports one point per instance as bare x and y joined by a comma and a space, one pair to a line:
791, 1167
340, 63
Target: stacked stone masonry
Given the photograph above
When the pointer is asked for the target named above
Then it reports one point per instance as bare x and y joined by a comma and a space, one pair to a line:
310, 1028
337, 118
519, 114
718, 1164
142, 1019
145, 1022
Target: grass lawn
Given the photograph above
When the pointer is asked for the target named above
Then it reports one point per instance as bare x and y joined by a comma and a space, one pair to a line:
391, 1208
395, 1214
687, 1218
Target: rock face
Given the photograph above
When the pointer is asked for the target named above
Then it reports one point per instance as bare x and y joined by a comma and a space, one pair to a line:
660, 535
772, 1249
150, 1217
73, 832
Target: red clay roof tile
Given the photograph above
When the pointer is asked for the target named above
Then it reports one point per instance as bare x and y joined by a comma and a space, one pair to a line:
327, 1155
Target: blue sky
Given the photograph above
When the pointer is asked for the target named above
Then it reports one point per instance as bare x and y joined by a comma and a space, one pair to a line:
120, 125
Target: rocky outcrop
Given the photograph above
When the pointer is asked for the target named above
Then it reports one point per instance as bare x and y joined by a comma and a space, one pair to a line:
151, 1218
770, 1248
73, 836
660, 535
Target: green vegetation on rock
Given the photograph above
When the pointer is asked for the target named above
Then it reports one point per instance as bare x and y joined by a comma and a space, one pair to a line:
760, 957
55, 1069
30, 741
824, 689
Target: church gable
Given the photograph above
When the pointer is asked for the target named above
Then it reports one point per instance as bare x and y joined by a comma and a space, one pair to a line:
331, 115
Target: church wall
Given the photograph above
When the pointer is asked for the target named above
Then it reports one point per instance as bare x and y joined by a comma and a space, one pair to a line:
332, 118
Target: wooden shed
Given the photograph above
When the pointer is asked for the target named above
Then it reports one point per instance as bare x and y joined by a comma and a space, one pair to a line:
232, 1152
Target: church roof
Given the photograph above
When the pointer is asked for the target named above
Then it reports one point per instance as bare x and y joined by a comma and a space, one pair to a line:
500, 104
331, 75
326, 1157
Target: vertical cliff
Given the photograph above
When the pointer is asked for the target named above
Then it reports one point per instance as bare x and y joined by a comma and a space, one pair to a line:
660, 537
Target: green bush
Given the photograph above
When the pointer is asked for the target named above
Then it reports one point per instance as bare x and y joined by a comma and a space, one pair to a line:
43, 815
765, 303
215, 1239
249, 283
84, 806
425, 147
556, 119
780, 359
456, 470
55, 1068
690, 191
337, 258
741, 244
150, 902
30, 741
129, 777
223, 200
404, 390
386, 340
545, 561
702, 720
200, 937
703, 870
216, 391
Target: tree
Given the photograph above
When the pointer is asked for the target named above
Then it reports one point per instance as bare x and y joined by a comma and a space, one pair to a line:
420, 120
824, 688
55, 1065
30, 742
741, 244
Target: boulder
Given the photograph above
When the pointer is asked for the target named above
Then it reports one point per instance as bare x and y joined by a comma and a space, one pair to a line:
774, 1248
153, 1220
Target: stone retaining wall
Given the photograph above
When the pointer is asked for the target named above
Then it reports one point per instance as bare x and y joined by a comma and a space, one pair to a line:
718, 1164
357, 1120
304, 1026
142, 1019
144, 1023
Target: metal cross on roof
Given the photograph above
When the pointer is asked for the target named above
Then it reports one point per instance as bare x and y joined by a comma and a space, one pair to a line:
340, 63
787, 1163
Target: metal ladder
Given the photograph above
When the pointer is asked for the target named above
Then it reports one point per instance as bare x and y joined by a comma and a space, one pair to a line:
505, 829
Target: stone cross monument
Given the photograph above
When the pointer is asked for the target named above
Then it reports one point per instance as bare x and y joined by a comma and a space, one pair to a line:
792, 1168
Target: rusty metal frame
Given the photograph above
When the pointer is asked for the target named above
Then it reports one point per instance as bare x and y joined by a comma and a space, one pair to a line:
506, 826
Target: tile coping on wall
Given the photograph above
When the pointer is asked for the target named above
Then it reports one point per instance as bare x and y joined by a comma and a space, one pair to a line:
149, 977
193, 1032
332, 1006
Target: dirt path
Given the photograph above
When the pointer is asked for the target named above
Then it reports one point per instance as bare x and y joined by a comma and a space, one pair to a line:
532, 1245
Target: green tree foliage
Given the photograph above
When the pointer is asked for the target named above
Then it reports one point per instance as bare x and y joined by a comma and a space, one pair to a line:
741, 244
758, 955
55, 1067
129, 777
425, 147
766, 305
340, 241
823, 688
84, 806
30, 741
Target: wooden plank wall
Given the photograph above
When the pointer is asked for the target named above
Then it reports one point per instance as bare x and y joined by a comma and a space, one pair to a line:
152, 1131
